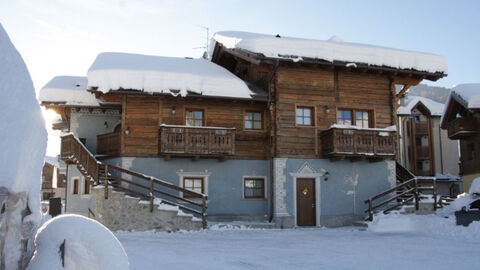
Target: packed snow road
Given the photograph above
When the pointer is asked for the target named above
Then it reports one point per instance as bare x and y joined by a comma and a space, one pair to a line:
316, 248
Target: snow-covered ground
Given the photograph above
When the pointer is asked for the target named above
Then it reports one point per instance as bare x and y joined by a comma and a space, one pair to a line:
316, 248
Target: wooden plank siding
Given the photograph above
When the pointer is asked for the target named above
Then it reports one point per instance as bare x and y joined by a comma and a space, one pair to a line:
319, 88
144, 114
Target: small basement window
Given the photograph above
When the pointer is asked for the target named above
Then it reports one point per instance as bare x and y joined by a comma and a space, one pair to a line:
75, 186
254, 188
195, 184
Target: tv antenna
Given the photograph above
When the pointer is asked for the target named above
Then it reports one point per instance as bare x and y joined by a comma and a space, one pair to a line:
207, 42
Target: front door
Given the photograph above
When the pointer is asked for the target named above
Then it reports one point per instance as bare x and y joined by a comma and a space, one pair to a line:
306, 202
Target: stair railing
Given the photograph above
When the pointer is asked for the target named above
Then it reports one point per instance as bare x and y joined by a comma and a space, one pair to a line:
149, 187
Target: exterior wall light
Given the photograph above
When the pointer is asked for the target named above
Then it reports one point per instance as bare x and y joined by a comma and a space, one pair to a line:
327, 109
105, 124
173, 110
127, 131
325, 176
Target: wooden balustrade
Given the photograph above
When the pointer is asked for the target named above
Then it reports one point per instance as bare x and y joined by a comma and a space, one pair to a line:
461, 128
421, 128
358, 142
73, 151
108, 144
423, 152
212, 141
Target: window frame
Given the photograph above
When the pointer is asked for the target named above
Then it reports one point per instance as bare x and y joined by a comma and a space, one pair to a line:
353, 113
244, 188
195, 109
186, 195
312, 115
75, 186
86, 187
262, 117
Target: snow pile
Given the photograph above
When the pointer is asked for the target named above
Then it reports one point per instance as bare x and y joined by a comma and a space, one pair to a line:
435, 108
67, 90
331, 50
87, 245
23, 142
423, 224
469, 94
475, 186
156, 74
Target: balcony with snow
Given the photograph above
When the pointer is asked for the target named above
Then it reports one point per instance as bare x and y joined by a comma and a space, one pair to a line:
355, 143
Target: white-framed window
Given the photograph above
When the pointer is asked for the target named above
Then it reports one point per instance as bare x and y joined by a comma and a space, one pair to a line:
195, 181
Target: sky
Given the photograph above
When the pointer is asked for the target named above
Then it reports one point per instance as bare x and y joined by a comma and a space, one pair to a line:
63, 37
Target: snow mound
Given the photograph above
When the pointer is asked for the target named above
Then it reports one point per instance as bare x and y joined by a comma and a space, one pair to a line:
435, 108
330, 50
423, 224
69, 90
169, 75
469, 93
475, 186
87, 245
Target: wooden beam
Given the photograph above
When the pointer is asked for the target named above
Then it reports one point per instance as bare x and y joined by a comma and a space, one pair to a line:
358, 158
337, 158
167, 157
402, 92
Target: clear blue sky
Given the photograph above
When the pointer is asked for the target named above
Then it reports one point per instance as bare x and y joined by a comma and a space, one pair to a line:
62, 37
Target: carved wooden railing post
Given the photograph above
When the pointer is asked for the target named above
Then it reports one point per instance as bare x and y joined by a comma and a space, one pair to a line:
370, 210
417, 197
106, 181
434, 194
151, 194
204, 211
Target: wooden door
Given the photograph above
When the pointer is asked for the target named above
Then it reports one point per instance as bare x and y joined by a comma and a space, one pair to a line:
306, 210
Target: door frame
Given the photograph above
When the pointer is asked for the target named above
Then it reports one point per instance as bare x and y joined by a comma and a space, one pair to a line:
317, 178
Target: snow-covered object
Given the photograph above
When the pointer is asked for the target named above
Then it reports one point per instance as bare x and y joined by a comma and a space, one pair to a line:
330, 50
22, 142
69, 90
469, 94
157, 74
52, 161
87, 245
475, 186
435, 108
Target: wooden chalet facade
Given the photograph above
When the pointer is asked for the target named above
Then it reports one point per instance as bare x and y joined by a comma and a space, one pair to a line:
258, 157
462, 122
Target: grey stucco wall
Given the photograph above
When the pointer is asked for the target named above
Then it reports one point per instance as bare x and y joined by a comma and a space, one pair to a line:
338, 200
88, 124
77, 203
224, 182
446, 151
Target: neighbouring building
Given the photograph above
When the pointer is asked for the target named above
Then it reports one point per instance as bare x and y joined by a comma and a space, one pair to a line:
424, 148
462, 121
53, 180
297, 132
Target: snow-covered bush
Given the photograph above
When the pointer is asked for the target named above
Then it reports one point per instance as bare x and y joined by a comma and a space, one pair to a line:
23, 141
84, 243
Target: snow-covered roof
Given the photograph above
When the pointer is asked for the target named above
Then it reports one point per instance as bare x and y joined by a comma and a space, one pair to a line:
435, 108
331, 50
468, 94
157, 74
52, 161
68, 90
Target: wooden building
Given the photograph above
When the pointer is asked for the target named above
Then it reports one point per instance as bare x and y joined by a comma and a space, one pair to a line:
295, 139
462, 121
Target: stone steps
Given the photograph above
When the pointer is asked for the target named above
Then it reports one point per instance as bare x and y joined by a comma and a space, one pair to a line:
121, 212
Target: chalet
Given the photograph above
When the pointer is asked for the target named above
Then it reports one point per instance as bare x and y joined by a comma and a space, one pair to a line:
293, 131
53, 181
462, 122
424, 148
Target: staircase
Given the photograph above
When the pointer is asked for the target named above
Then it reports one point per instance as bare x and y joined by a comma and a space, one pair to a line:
413, 194
124, 189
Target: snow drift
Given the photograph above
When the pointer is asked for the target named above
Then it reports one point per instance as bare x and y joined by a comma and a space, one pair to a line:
23, 142
86, 244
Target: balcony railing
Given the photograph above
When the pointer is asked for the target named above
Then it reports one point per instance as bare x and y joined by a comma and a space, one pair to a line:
185, 140
108, 144
423, 152
461, 127
352, 142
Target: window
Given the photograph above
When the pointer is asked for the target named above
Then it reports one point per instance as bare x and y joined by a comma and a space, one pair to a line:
75, 186
193, 184
254, 188
304, 116
471, 151
359, 118
86, 189
194, 118
253, 120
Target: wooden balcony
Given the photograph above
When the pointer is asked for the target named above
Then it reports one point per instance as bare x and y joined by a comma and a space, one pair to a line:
197, 141
421, 128
339, 143
461, 128
108, 144
422, 152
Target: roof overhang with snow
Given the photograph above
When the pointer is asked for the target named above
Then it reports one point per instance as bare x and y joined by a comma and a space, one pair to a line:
123, 72
67, 91
256, 48
432, 107
464, 97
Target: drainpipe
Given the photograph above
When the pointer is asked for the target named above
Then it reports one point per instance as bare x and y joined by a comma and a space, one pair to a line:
441, 151
272, 87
